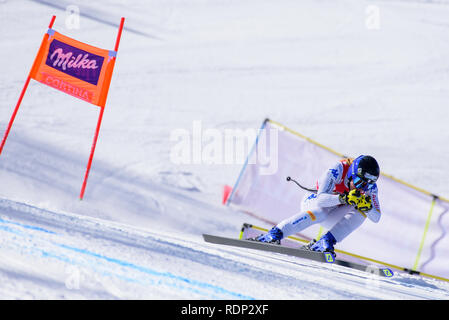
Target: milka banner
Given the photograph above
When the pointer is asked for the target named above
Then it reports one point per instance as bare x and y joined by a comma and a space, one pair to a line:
411, 235
76, 68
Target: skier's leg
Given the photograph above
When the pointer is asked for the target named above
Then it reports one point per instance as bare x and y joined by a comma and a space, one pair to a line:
294, 224
302, 220
345, 226
310, 214
348, 224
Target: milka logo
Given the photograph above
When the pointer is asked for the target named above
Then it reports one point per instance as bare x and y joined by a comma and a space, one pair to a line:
74, 61
68, 60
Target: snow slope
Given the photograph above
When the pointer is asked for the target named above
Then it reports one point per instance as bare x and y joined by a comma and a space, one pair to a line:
228, 64
58, 255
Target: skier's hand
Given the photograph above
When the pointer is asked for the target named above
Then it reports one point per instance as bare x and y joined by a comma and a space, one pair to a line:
353, 198
365, 204
343, 197
359, 201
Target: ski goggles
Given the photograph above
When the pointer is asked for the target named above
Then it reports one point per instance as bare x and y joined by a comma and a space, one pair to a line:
363, 183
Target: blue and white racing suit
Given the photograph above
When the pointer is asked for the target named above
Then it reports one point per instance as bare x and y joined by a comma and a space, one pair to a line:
325, 207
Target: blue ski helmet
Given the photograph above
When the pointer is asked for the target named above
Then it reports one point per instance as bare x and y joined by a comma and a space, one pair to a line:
364, 172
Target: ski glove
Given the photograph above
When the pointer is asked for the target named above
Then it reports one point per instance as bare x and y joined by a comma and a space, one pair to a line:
352, 198
365, 204
359, 201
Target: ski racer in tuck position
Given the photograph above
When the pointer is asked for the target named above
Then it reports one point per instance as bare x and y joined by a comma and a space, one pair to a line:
346, 192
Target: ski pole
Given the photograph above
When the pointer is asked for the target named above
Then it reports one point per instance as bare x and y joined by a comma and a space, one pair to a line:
302, 187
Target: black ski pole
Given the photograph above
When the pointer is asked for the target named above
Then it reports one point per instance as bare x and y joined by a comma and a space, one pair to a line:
302, 187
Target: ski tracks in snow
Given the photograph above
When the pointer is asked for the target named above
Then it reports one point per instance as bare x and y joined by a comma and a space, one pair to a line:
89, 257
47, 254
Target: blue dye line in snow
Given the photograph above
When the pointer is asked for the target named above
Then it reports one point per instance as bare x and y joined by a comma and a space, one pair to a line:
48, 254
26, 226
152, 282
8, 229
168, 275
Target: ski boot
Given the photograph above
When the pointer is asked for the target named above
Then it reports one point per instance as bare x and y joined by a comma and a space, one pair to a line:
324, 244
273, 236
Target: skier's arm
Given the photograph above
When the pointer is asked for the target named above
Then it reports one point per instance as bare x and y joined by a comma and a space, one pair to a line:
374, 214
326, 186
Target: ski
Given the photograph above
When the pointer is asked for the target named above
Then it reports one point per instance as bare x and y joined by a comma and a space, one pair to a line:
296, 252
380, 271
326, 257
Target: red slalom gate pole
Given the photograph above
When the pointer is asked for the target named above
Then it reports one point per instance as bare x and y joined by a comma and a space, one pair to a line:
100, 117
22, 94
89, 164
119, 34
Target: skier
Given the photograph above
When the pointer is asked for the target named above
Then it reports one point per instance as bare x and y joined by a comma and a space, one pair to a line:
346, 195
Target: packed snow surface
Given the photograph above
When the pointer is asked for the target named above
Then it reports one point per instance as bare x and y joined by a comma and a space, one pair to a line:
358, 76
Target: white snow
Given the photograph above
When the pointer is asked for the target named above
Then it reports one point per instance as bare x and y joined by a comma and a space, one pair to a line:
315, 66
